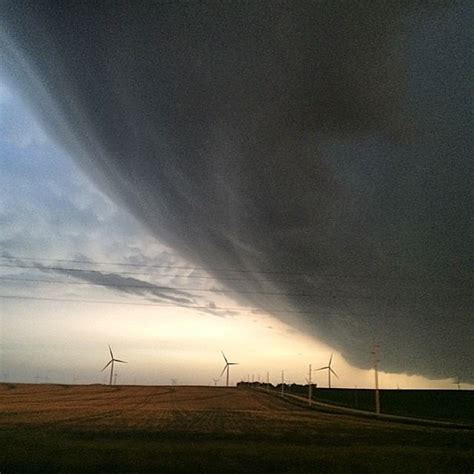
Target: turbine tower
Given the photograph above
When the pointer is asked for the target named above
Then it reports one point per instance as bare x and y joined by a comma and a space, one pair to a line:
111, 363
226, 368
329, 369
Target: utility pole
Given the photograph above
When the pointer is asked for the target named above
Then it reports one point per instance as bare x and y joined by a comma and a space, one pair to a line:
282, 383
310, 386
268, 381
376, 370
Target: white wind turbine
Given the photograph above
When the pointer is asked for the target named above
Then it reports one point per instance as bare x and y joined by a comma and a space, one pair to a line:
226, 368
329, 368
111, 363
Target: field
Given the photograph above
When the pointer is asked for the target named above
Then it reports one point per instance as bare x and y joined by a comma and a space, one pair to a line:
95, 428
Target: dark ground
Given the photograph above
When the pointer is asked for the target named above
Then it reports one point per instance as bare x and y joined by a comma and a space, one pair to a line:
444, 405
57, 428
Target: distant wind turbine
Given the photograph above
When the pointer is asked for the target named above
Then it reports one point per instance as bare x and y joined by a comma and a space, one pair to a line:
329, 369
226, 368
458, 383
111, 363
215, 382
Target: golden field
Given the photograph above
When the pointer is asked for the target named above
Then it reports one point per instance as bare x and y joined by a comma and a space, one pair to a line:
96, 428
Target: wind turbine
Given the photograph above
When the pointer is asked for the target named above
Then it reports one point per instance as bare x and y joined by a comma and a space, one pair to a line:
226, 368
111, 363
215, 382
329, 370
458, 383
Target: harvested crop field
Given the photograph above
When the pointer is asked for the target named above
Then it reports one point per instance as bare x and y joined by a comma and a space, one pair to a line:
96, 428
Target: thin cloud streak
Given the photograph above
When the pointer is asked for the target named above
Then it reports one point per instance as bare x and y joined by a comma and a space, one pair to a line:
132, 286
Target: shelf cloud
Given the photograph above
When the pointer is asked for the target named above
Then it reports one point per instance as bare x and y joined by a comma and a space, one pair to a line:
321, 149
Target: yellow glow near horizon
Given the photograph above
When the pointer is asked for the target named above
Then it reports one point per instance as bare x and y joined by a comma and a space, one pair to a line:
164, 342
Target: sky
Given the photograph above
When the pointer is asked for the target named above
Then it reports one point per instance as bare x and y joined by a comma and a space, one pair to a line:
266, 198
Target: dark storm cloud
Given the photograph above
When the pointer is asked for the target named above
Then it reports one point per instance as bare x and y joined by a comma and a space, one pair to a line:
329, 139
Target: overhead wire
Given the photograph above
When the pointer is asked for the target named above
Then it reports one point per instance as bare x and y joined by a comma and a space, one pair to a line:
183, 305
130, 264
101, 272
153, 287
220, 277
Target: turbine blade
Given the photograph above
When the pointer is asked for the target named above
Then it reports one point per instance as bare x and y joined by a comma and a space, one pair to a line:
122, 361
111, 353
233, 363
225, 358
108, 363
334, 372
223, 370
322, 368
330, 360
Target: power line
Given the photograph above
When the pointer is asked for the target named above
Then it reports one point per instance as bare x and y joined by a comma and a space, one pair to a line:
185, 306
407, 303
83, 270
175, 267
152, 287
81, 300
220, 277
